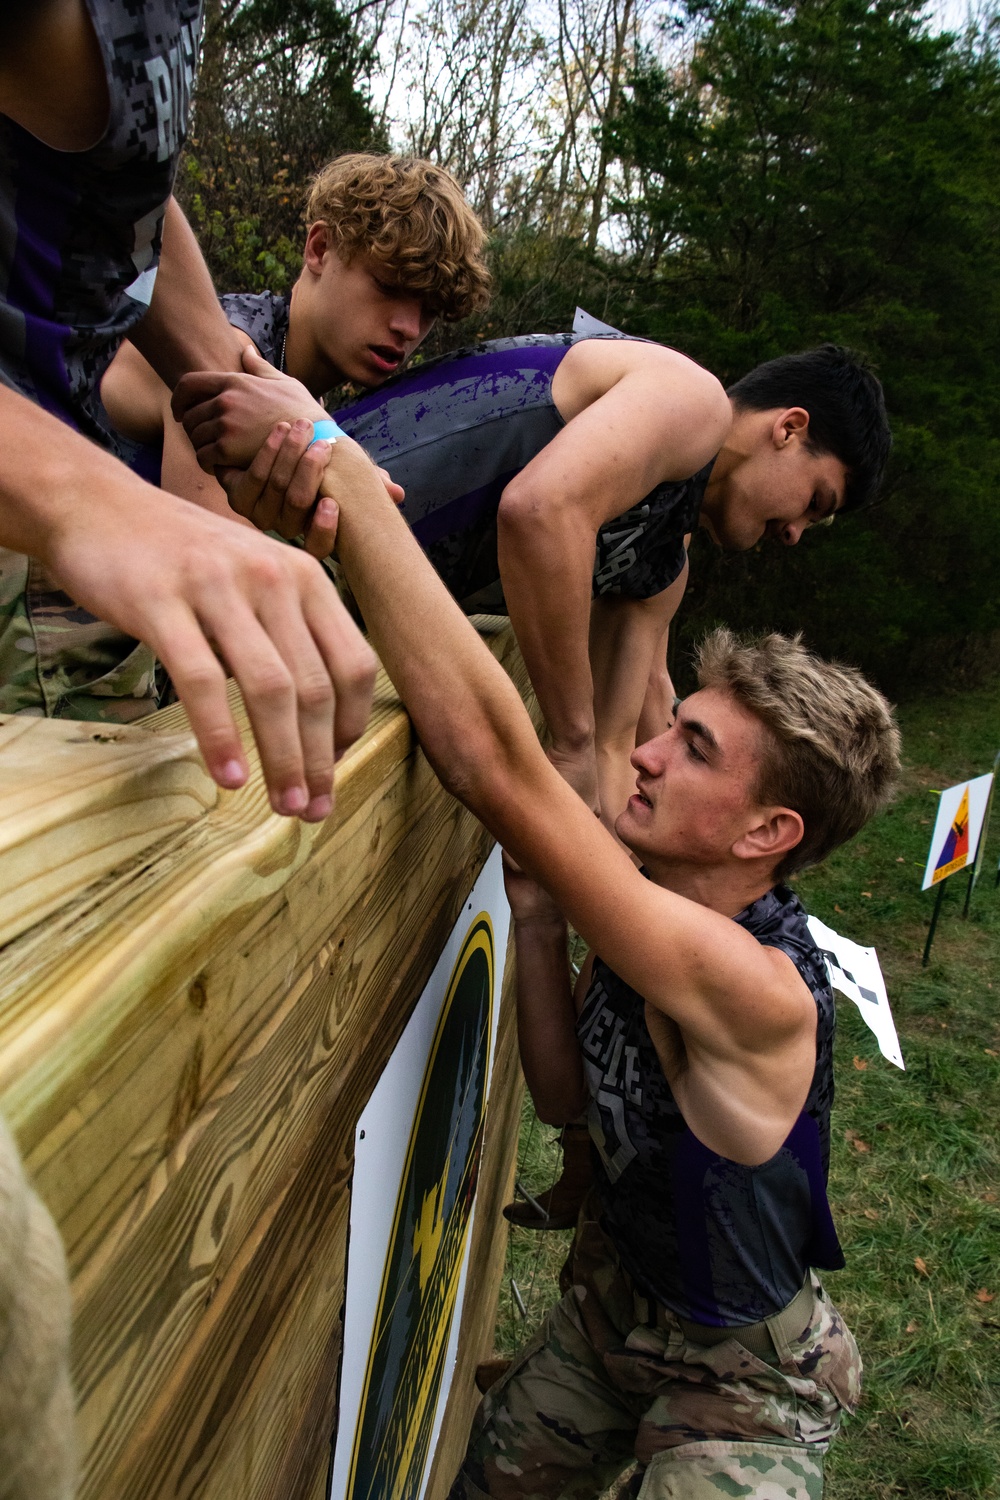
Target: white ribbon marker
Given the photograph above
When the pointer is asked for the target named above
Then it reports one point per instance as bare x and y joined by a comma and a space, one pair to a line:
855, 972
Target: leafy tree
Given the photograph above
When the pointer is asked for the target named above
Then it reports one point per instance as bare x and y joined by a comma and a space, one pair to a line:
280, 91
827, 169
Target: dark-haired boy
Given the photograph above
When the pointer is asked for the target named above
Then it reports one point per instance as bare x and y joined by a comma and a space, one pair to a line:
572, 469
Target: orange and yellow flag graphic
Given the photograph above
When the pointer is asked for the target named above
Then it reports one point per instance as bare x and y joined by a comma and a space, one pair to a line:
955, 849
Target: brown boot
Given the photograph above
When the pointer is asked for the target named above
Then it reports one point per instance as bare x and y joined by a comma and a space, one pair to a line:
557, 1207
490, 1371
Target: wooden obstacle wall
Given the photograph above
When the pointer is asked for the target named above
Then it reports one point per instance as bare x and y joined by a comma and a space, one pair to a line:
196, 1000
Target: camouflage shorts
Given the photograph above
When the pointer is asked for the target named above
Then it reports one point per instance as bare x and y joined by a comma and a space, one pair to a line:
597, 1389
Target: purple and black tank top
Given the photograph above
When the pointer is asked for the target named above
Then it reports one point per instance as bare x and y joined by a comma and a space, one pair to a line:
716, 1241
456, 430
80, 231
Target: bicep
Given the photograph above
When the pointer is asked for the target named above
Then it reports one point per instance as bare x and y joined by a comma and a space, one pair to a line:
134, 396
642, 416
699, 967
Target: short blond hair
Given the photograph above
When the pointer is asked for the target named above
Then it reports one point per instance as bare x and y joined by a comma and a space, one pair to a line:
412, 219
831, 744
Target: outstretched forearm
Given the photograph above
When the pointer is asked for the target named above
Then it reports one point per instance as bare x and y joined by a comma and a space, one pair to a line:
546, 555
691, 961
546, 1029
195, 588
469, 716
46, 471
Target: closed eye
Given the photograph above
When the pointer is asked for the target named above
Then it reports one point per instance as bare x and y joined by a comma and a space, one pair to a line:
822, 513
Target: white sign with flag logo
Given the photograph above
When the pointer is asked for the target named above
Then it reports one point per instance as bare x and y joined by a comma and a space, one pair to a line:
959, 822
417, 1151
856, 973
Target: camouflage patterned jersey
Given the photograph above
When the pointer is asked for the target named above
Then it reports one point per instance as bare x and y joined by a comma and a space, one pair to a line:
713, 1240
263, 317
455, 432
79, 244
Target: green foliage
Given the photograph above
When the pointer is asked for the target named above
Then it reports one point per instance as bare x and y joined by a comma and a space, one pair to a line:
280, 91
926, 1187
827, 170
820, 170
809, 170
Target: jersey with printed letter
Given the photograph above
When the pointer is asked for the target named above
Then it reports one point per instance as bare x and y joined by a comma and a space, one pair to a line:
456, 431
80, 239
714, 1240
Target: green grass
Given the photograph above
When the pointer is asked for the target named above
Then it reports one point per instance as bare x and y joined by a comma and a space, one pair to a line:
918, 1179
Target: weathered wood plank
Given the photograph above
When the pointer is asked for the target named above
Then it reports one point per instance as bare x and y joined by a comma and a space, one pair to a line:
311, 1073
185, 1048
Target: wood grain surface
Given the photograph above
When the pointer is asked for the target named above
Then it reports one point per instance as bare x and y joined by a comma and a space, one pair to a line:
80, 800
188, 1035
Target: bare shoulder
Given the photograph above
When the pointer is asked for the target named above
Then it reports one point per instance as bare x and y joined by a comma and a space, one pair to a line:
592, 367
793, 1005
730, 993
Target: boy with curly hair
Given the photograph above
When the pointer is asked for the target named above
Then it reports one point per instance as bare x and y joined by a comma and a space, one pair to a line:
391, 246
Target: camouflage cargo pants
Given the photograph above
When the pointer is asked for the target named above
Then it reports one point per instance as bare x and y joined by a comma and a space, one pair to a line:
598, 1388
57, 660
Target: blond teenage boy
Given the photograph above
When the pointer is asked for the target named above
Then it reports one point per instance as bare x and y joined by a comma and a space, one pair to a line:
391, 246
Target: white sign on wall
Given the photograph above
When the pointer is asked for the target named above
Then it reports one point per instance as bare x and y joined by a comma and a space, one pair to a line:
957, 827
417, 1150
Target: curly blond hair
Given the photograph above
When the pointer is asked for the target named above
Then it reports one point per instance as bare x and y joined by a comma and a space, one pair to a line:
414, 222
832, 747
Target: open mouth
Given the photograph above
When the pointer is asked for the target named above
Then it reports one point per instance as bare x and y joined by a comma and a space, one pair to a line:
385, 358
641, 798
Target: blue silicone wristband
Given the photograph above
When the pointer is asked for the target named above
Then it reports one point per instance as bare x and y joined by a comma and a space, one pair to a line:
328, 431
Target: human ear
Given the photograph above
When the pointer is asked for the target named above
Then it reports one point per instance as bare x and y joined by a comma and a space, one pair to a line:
317, 244
790, 424
778, 830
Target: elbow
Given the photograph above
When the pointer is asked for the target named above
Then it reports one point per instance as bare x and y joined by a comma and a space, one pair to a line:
470, 766
549, 1113
559, 1106
519, 503
527, 514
